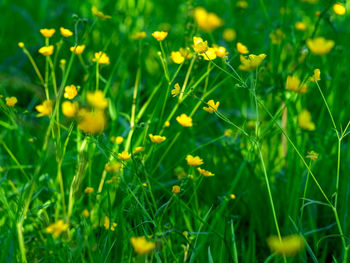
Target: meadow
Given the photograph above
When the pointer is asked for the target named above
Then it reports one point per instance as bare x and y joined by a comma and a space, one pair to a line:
175, 131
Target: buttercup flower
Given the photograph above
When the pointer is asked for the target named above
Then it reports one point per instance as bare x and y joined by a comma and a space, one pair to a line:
301, 26
339, 9
78, 49
160, 35
85, 213
69, 109
252, 62
141, 245
176, 90
113, 167
212, 106
66, 32
88, 190
319, 45
199, 45
287, 246
124, 156
305, 121
232, 196
229, 34
206, 21
97, 99
176, 189
11, 101
139, 149
70, 92
21, 44
91, 122
293, 84
47, 32
44, 109
316, 76
101, 58
139, 35
242, 48
57, 228
176, 57
312, 155
119, 140
166, 124
46, 51
194, 161
210, 54
220, 51
99, 14
205, 172
184, 120
242, 4
157, 138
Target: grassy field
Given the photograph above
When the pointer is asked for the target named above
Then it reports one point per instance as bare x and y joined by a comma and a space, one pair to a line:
174, 131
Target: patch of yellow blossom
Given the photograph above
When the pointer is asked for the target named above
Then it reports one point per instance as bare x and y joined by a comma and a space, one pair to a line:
47, 32
319, 45
184, 120
293, 84
194, 161
45, 108
57, 228
252, 62
157, 138
305, 121
141, 245
92, 122
205, 172
11, 101
101, 58
97, 99
77, 49
207, 21
287, 246
160, 35
212, 106
177, 57
124, 156
242, 48
176, 189
70, 109
70, 92
47, 50
66, 32
97, 13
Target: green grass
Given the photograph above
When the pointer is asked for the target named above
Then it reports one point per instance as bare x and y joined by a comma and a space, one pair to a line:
252, 143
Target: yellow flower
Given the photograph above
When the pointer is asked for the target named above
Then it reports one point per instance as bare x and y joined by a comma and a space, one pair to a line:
57, 228
242, 4
176, 189
46, 51
69, 109
139, 35
312, 155
107, 224
206, 21
101, 58
166, 124
139, 149
339, 9
287, 246
160, 35
229, 34
86, 213
220, 51
99, 14
11, 101
232, 196
91, 121
97, 99
252, 62
319, 45
78, 49
21, 44
47, 32
70, 92
242, 48
176, 57
66, 32
44, 109
141, 245
157, 138
199, 45
301, 26
184, 120
186, 53
293, 84
212, 106
113, 167
305, 121
210, 54
119, 139
124, 156
205, 172
277, 36
88, 190
176, 90
316, 76
194, 161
